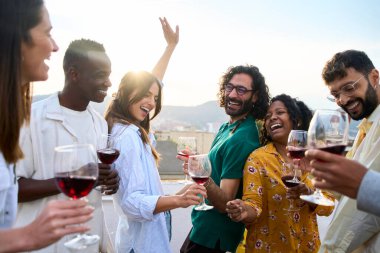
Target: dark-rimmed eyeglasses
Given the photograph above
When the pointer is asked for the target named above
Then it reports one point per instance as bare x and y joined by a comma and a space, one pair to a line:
347, 90
240, 90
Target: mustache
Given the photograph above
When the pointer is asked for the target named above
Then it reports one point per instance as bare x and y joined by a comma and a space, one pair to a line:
233, 100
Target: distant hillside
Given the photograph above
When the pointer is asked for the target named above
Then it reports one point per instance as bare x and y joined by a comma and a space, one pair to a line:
172, 117
195, 116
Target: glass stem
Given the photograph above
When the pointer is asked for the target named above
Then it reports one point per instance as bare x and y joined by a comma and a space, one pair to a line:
203, 201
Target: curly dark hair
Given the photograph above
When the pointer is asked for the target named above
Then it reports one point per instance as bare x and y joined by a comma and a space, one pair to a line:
258, 85
299, 114
336, 67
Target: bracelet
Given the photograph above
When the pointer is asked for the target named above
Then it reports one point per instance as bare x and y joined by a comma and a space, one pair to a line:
207, 182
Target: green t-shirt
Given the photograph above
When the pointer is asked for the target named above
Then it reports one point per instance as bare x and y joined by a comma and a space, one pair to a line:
229, 151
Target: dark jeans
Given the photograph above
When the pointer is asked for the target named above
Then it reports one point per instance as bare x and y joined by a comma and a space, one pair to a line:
192, 247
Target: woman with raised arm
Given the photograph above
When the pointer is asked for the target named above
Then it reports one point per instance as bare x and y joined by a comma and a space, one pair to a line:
140, 196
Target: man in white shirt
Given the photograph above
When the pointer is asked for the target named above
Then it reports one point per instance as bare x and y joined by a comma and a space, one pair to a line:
62, 119
353, 82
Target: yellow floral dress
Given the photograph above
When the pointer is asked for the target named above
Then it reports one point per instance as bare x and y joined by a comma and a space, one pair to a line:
277, 228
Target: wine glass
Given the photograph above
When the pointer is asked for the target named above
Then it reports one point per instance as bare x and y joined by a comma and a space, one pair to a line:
107, 153
200, 171
76, 172
328, 131
297, 142
189, 144
288, 175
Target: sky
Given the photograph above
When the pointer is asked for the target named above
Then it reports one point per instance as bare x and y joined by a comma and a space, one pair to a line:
289, 40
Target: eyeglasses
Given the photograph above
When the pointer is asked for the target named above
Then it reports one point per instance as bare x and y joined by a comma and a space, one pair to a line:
240, 90
347, 90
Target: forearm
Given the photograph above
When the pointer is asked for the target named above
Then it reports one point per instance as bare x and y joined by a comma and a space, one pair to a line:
32, 189
218, 197
166, 203
162, 64
15, 240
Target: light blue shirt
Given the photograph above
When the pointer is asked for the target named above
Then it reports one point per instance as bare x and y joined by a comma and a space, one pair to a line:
368, 199
8, 194
139, 190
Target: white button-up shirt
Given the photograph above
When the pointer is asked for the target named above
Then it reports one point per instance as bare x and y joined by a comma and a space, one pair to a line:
50, 127
139, 190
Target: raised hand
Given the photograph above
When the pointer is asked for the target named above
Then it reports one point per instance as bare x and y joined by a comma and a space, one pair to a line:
171, 37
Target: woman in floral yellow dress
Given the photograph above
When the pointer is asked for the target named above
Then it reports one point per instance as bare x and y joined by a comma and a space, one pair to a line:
274, 225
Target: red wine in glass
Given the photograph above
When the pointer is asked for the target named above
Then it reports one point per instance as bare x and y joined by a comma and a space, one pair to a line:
182, 154
201, 180
296, 153
334, 149
289, 181
75, 187
108, 155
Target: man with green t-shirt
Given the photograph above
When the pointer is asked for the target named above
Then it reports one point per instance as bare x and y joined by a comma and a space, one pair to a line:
245, 97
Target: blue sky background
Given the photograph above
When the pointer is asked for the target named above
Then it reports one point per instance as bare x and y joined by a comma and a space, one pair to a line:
288, 40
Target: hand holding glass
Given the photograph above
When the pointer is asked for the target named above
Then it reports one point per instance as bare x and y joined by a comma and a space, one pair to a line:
75, 172
107, 153
188, 144
328, 131
200, 171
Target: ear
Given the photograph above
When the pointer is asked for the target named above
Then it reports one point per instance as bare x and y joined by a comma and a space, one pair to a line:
374, 77
73, 74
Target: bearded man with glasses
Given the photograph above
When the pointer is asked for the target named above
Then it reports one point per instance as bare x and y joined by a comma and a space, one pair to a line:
353, 82
245, 98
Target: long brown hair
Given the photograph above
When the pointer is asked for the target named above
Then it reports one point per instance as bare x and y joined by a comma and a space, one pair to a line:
17, 17
118, 111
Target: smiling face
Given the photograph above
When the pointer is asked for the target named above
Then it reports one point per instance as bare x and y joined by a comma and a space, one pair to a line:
364, 99
38, 50
141, 109
237, 106
278, 123
92, 76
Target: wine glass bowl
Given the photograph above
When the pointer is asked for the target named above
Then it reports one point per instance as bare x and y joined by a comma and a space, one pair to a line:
106, 151
290, 178
79, 183
75, 172
328, 131
188, 144
200, 171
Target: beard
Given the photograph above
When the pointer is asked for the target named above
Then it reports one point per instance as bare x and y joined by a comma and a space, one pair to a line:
369, 104
245, 106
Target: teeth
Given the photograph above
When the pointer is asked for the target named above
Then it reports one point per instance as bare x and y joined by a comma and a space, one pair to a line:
233, 103
104, 92
145, 109
275, 126
353, 105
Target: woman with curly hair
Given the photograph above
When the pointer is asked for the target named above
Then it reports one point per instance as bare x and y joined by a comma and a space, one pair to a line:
266, 204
